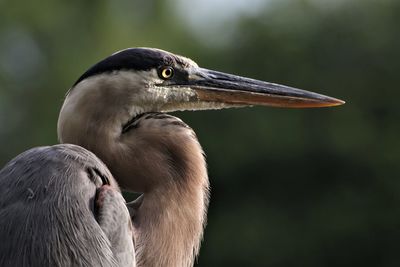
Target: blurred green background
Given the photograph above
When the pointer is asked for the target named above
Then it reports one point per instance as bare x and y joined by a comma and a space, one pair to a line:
316, 187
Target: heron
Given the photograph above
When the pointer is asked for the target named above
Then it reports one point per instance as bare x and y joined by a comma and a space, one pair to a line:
119, 110
60, 206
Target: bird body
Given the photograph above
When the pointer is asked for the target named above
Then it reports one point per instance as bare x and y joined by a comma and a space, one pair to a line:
50, 214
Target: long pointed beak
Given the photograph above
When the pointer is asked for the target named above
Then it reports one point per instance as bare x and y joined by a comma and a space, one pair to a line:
214, 86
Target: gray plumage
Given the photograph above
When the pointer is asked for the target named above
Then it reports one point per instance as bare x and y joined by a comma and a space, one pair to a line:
49, 215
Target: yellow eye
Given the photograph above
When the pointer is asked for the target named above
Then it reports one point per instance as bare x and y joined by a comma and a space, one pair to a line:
167, 72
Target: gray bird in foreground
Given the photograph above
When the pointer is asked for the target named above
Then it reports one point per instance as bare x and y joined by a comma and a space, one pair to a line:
116, 109
60, 206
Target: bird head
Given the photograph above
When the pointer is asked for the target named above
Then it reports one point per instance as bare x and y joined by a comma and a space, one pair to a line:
156, 80
138, 80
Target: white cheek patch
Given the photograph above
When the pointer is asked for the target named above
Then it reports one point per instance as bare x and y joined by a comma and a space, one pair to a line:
199, 105
159, 96
166, 95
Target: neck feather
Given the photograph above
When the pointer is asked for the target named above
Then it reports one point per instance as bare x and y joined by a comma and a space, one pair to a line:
169, 223
160, 157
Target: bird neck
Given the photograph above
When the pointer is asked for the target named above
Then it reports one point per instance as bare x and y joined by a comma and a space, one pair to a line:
161, 157
169, 223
